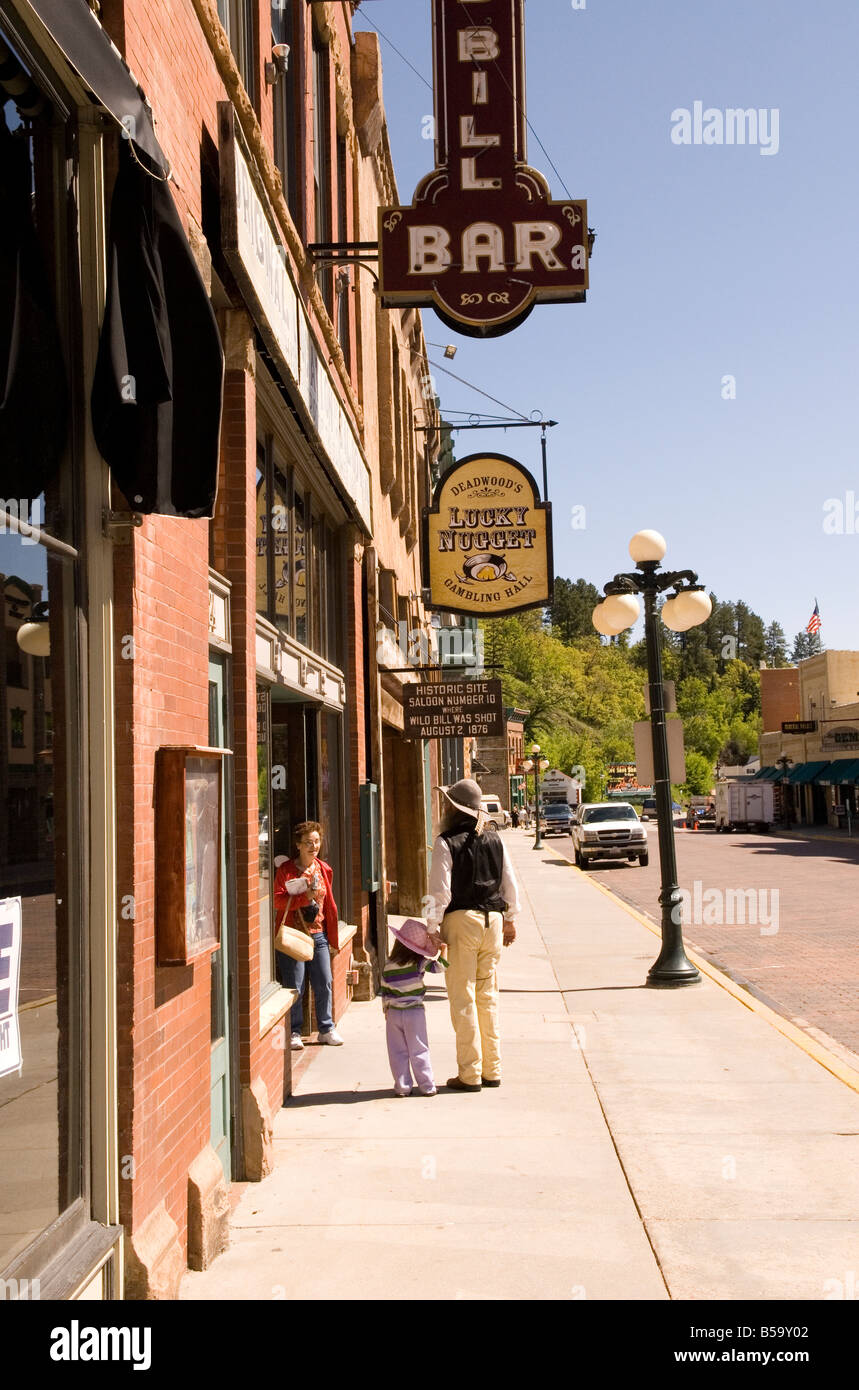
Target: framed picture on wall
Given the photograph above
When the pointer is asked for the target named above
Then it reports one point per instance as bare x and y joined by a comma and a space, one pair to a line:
188, 852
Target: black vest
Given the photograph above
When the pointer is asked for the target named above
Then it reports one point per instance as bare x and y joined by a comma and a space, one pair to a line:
478, 862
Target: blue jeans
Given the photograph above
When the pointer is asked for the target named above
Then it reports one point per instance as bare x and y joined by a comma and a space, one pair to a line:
290, 973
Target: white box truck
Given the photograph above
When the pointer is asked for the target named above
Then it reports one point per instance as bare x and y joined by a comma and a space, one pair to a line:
744, 805
559, 786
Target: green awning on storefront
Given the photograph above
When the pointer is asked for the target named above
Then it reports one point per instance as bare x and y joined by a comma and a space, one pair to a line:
804, 773
766, 774
840, 771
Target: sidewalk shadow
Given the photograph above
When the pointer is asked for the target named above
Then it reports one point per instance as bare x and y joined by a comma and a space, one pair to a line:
572, 989
336, 1098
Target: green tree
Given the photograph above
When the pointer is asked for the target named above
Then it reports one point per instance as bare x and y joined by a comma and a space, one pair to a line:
775, 645
570, 612
805, 644
699, 774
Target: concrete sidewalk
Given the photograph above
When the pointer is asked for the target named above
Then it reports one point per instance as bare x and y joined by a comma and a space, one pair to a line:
645, 1144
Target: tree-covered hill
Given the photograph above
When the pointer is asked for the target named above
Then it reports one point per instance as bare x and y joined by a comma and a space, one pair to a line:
584, 693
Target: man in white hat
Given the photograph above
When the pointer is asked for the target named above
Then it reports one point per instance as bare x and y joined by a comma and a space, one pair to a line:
473, 898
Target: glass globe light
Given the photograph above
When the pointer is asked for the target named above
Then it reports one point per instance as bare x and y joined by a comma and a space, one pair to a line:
676, 621
647, 545
694, 606
527, 766
34, 639
601, 622
622, 610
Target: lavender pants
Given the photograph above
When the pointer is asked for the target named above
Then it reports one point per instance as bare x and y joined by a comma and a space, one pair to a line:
408, 1049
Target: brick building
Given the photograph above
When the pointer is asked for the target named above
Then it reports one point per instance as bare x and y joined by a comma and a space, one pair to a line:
810, 716
502, 757
261, 631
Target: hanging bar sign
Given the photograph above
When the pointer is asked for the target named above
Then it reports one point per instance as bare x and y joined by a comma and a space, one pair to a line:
483, 241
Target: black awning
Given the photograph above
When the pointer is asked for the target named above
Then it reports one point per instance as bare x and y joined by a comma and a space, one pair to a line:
158, 388
33, 390
479, 767
75, 29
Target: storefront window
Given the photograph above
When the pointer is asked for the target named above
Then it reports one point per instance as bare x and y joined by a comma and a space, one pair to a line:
301, 574
319, 632
334, 571
43, 774
40, 914
280, 526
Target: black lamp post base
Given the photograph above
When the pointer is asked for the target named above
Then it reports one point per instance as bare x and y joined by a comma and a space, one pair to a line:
672, 981
673, 971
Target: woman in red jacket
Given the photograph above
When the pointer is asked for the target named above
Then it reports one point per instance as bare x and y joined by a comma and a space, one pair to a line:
303, 891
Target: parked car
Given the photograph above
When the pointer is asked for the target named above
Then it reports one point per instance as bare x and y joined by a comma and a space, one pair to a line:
495, 812
556, 818
648, 808
609, 830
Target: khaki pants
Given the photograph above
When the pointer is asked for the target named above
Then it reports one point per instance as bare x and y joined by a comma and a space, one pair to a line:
474, 951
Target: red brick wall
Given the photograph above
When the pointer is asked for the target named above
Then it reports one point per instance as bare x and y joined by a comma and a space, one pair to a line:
779, 697
234, 543
161, 603
162, 693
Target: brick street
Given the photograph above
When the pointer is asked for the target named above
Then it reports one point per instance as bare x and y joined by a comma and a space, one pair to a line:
808, 970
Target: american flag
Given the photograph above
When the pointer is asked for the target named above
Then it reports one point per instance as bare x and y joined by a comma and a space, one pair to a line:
813, 624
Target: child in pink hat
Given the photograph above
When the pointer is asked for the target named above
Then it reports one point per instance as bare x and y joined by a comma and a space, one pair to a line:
403, 990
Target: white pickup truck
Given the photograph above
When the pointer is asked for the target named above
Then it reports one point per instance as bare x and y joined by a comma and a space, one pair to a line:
609, 830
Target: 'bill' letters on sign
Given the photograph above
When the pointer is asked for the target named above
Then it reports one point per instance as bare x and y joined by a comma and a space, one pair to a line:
483, 241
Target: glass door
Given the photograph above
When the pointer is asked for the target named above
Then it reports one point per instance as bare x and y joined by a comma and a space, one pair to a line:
220, 995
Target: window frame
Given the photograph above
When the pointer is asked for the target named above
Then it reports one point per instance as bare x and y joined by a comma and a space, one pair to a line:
322, 163
237, 21
45, 1255
285, 113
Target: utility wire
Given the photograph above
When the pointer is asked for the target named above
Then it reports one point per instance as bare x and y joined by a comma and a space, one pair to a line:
398, 53
470, 384
552, 163
470, 19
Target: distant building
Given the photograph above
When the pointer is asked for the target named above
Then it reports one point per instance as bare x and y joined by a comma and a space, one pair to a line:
811, 717
502, 758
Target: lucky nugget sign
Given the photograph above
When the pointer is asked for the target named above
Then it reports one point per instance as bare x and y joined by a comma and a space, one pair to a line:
487, 539
483, 241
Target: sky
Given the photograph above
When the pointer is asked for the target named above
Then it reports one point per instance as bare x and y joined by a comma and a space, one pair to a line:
710, 261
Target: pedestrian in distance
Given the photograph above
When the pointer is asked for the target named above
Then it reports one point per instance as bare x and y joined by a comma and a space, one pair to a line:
514, 818
473, 899
403, 991
304, 898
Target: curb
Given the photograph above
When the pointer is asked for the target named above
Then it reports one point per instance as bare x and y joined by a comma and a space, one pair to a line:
820, 1054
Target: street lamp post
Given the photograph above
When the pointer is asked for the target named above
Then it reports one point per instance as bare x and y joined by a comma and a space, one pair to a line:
535, 764
687, 607
785, 763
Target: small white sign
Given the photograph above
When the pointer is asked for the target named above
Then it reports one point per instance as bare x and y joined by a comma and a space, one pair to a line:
10, 975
